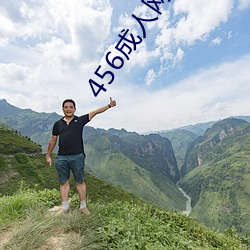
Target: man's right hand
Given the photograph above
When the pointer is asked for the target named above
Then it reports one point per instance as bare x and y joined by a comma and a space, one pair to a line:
48, 160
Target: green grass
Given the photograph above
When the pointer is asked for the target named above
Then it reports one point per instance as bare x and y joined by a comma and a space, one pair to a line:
3, 164
12, 142
71, 231
113, 225
102, 192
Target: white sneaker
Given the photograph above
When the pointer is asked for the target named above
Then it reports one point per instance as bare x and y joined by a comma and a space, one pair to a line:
57, 210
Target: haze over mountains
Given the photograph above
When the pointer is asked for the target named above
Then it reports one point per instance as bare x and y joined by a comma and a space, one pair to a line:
213, 160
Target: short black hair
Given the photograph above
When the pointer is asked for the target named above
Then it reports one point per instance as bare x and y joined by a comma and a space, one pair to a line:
69, 100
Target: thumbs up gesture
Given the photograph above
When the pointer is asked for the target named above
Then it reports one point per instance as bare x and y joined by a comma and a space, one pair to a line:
112, 102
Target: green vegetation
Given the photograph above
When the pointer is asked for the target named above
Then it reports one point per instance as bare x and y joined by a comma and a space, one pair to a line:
144, 165
225, 134
34, 125
220, 195
181, 140
11, 143
25, 224
117, 169
220, 186
3, 164
32, 168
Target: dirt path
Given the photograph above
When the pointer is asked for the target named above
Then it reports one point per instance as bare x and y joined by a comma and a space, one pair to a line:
5, 236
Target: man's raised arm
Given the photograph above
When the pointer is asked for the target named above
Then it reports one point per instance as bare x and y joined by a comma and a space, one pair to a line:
111, 104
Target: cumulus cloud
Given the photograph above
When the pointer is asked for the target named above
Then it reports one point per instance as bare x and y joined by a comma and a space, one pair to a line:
243, 4
50, 49
229, 35
173, 34
216, 41
198, 19
192, 22
210, 94
151, 75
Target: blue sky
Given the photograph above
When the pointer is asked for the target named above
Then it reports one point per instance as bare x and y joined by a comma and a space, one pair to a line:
193, 66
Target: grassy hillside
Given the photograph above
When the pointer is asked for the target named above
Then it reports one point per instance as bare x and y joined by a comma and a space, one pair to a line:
33, 169
212, 144
111, 165
34, 125
11, 143
15, 166
151, 152
118, 221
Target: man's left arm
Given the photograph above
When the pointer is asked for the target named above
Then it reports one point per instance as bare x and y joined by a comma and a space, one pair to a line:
111, 104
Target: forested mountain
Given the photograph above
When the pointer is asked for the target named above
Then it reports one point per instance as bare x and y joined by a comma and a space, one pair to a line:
152, 151
181, 140
37, 126
215, 167
211, 145
119, 220
217, 175
143, 165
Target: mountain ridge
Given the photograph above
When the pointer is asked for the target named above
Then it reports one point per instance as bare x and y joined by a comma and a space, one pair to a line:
127, 159
216, 174
145, 167
124, 220
147, 161
198, 128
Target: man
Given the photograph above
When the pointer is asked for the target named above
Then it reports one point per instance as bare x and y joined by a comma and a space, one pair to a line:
71, 155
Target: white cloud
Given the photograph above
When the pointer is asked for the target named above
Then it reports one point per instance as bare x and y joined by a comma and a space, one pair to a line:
198, 18
216, 41
244, 4
82, 24
89, 23
178, 56
50, 49
229, 34
151, 75
142, 55
211, 94
193, 21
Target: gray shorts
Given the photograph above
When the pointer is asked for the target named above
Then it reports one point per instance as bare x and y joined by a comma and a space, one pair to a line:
67, 163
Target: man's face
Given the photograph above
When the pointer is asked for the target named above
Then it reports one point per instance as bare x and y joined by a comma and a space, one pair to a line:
68, 109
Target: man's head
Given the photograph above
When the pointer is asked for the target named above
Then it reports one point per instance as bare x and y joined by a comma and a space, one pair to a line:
69, 100
69, 107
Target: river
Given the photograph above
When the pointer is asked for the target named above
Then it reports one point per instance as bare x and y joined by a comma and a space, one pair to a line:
188, 209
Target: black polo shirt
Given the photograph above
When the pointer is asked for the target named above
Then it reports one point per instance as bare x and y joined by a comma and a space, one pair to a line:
70, 135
